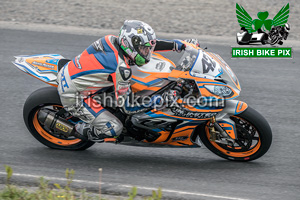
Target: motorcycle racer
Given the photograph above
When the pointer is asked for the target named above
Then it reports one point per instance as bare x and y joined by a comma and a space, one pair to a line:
104, 64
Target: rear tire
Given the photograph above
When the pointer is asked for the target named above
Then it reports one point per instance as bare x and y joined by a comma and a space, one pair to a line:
48, 96
254, 119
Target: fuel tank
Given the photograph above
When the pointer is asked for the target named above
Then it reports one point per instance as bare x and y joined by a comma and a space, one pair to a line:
152, 76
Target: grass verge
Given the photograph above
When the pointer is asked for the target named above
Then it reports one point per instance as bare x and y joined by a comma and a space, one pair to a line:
46, 191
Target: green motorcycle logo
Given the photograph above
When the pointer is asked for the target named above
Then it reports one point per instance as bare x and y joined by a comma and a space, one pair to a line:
245, 20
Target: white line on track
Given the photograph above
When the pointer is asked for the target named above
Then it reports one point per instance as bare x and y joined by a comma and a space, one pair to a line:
127, 186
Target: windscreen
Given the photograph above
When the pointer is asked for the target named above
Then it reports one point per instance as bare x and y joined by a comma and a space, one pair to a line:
203, 64
199, 63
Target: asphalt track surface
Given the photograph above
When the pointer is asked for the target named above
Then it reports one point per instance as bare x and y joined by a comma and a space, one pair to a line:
271, 86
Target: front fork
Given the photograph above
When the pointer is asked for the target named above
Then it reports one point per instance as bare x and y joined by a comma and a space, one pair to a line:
222, 128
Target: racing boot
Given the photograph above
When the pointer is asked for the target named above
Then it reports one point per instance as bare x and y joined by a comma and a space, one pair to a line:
86, 131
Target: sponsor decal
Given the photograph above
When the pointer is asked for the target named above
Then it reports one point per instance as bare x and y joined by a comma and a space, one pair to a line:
139, 31
43, 65
181, 138
137, 111
63, 80
188, 114
160, 66
97, 45
125, 73
77, 58
123, 87
61, 127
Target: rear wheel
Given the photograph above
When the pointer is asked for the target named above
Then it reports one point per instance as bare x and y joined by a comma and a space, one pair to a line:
48, 98
254, 137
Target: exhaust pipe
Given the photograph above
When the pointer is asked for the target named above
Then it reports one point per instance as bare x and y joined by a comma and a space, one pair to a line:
57, 124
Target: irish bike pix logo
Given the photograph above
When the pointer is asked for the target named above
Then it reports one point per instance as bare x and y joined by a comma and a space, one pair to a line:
265, 36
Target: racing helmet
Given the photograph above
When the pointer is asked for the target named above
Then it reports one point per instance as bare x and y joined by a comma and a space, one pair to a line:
138, 40
287, 27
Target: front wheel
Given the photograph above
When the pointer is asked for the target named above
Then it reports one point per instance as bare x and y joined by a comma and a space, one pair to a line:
48, 98
254, 137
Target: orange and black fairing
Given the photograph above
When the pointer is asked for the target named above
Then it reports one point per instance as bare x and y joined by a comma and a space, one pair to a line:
240, 107
181, 136
187, 119
152, 76
201, 83
149, 82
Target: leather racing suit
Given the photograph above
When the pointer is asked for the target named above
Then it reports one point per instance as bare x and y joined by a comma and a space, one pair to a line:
102, 65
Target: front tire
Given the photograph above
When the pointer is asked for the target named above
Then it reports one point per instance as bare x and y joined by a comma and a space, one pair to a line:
48, 97
261, 133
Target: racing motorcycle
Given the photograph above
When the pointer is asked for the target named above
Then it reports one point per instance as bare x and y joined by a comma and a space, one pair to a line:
228, 127
273, 37
279, 33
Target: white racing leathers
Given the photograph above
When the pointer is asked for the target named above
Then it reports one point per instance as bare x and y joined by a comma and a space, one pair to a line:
100, 66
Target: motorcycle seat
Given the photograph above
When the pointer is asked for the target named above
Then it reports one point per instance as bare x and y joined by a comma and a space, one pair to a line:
61, 63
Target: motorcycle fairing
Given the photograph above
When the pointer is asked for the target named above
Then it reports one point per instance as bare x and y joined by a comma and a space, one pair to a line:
233, 107
42, 66
229, 128
185, 129
181, 136
229, 71
153, 75
147, 77
240, 107
201, 82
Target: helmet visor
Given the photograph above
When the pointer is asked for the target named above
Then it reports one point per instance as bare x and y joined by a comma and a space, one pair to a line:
145, 51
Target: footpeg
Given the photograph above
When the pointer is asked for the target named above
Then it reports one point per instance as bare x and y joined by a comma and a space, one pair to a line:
110, 140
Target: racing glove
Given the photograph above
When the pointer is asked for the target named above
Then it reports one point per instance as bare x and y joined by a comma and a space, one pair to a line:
178, 46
